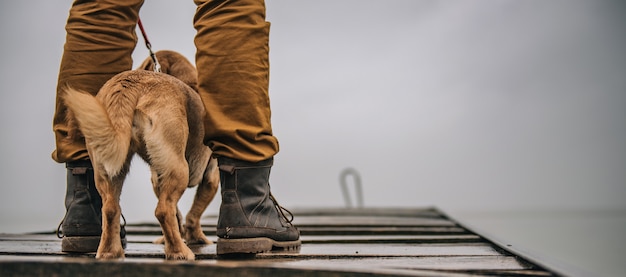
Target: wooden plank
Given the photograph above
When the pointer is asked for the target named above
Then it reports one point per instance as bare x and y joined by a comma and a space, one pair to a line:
380, 212
78, 267
406, 265
329, 230
354, 220
29, 237
366, 221
384, 230
416, 239
373, 239
394, 250
449, 263
330, 250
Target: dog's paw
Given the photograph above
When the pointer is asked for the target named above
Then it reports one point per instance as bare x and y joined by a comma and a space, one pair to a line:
195, 236
110, 255
198, 240
160, 240
185, 254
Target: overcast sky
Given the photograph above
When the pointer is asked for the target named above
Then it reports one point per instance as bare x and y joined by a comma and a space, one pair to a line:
472, 105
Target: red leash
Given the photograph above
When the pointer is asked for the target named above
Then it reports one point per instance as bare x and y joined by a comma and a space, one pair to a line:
157, 66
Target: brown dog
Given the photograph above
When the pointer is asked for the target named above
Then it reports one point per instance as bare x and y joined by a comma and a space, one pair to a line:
159, 117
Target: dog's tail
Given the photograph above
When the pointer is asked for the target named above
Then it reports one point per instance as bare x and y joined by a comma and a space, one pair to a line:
109, 141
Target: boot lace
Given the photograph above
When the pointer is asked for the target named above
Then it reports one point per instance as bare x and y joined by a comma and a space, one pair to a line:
282, 210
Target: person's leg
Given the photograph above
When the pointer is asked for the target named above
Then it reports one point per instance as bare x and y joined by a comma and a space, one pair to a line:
233, 77
99, 43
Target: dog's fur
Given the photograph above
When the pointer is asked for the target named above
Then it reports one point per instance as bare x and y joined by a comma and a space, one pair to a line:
159, 117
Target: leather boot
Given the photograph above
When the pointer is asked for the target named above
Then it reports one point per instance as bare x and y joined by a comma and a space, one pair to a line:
250, 219
81, 227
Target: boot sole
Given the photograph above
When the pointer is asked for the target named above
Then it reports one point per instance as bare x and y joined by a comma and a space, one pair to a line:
254, 246
83, 244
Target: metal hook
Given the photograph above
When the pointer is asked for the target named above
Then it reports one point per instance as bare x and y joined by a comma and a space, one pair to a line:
343, 176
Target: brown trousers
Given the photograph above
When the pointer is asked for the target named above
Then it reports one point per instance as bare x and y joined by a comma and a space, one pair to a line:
232, 61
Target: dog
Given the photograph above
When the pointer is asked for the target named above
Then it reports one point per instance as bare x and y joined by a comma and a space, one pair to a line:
159, 117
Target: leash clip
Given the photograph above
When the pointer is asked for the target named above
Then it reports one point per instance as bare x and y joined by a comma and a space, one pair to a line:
157, 66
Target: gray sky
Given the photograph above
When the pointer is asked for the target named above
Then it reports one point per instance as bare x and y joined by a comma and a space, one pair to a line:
472, 105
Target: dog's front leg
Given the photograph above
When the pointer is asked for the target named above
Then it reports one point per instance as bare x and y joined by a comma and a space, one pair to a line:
204, 195
110, 246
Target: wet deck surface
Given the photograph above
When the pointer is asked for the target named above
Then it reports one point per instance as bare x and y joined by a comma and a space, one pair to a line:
336, 242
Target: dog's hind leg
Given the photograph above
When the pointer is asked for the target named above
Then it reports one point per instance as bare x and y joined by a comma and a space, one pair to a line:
165, 145
204, 195
179, 215
110, 246
172, 183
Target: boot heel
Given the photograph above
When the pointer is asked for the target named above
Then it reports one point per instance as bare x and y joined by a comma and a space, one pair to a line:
83, 244
80, 244
255, 245
244, 246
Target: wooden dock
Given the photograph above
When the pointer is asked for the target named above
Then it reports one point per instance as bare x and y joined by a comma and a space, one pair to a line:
335, 242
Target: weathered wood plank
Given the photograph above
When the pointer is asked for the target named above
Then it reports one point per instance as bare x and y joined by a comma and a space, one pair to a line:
78, 267
395, 250
469, 263
416, 239
330, 231
417, 266
380, 212
330, 250
363, 220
